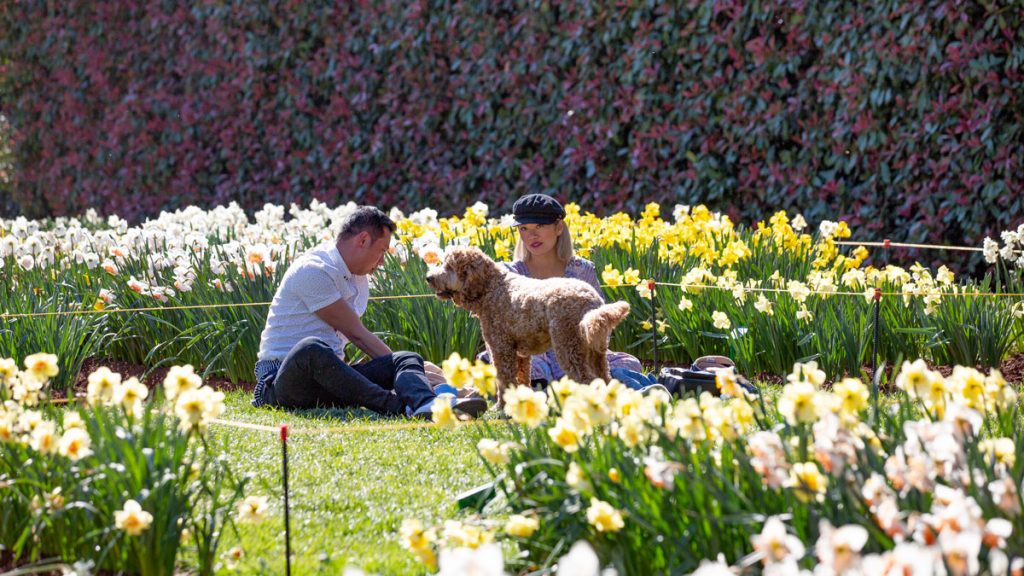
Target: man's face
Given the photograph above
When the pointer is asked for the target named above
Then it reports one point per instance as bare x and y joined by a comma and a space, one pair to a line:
373, 253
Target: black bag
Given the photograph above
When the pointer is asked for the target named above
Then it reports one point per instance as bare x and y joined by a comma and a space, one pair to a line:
700, 377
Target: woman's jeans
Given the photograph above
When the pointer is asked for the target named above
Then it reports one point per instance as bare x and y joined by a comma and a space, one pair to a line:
312, 375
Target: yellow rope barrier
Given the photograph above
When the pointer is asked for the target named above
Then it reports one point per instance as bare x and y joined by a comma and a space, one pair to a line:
888, 244
336, 429
768, 290
402, 296
125, 310
842, 293
310, 429
5, 315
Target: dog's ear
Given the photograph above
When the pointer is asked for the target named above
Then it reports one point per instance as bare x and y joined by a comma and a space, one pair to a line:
474, 270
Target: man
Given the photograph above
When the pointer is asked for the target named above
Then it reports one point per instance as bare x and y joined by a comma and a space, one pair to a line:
316, 310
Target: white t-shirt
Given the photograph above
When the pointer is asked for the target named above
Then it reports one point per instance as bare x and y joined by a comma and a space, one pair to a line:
314, 280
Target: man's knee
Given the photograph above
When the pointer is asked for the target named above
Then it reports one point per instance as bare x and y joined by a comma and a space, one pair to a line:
312, 347
407, 360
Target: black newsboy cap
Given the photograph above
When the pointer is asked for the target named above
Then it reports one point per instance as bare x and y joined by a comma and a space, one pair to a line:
537, 209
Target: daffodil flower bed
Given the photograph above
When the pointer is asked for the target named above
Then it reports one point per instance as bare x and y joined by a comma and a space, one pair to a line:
809, 477
763, 294
123, 483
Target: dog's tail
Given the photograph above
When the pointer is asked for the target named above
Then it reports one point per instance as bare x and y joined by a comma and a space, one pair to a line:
597, 325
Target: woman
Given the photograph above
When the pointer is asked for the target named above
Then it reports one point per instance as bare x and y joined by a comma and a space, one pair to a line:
545, 250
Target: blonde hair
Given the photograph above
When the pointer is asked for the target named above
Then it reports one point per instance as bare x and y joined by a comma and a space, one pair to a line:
563, 246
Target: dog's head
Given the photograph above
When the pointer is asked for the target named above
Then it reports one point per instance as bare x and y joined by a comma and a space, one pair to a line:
464, 277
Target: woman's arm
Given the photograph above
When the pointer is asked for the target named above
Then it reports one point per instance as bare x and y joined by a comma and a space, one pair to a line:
586, 271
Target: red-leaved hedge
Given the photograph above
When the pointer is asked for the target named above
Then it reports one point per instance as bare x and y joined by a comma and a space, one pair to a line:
903, 116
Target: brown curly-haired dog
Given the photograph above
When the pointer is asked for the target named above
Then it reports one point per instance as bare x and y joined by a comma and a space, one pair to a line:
521, 316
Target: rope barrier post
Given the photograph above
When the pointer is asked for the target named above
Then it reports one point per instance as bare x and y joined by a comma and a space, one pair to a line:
287, 522
654, 325
874, 352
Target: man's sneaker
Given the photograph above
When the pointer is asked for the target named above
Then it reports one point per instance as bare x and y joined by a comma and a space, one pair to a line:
472, 407
445, 389
652, 387
469, 392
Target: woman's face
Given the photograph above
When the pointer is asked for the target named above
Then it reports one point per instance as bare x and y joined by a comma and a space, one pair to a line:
540, 239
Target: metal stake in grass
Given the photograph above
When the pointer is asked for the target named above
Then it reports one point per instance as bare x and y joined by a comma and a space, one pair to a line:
654, 324
874, 352
287, 524
875, 377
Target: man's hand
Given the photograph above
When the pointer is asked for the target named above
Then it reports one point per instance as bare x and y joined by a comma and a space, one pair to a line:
340, 316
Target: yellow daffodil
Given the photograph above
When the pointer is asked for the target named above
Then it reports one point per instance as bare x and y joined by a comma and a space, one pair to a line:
720, 320
565, 435
644, 289
8, 368
441, 411
44, 438
521, 526
604, 517
233, 557
101, 387
75, 444
129, 395
631, 277
484, 377
727, 382
804, 315
611, 276
132, 519
999, 451
525, 406
253, 509
798, 290
632, 430
495, 452
180, 379
414, 537
807, 482
561, 389
797, 404
915, 378
574, 476
687, 421
459, 534
73, 420
457, 370
42, 366
852, 395
502, 249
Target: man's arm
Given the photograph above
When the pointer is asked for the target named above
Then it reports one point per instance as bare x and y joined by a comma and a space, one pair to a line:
340, 316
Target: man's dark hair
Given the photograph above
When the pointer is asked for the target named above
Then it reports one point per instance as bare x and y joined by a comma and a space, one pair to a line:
365, 218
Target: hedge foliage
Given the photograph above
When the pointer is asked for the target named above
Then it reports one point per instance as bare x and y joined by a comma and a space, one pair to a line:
904, 116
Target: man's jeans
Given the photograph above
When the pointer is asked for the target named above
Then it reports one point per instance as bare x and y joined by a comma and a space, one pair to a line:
312, 375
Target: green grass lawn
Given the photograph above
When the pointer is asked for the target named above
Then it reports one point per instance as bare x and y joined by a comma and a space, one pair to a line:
349, 491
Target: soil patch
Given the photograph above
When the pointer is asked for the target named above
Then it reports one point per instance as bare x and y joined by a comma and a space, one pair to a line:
1012, 369
7, 563
152, 379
